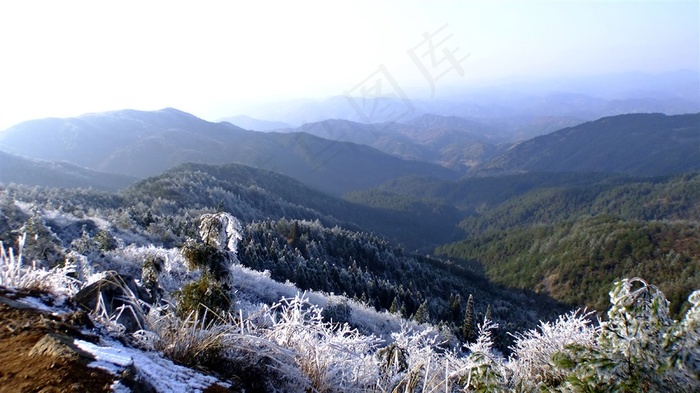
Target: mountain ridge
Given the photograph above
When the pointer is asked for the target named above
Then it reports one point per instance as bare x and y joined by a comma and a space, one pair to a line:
141, 144
635, 144
34, 172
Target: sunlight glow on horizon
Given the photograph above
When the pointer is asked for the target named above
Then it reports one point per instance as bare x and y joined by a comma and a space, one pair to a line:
73, 57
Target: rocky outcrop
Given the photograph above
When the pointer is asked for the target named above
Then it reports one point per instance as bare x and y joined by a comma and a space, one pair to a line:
116, 298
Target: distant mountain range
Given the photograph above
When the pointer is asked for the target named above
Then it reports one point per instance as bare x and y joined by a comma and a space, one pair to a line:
340, 156
253, 124
141, 144
450, 141
633, 144
582, 99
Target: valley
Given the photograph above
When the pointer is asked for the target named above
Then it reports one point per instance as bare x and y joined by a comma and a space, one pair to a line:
439, 223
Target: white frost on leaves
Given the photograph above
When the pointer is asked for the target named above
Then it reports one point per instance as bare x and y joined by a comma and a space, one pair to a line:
25, 207
174, 271
221, 230
531, 362
14, 274
254, 287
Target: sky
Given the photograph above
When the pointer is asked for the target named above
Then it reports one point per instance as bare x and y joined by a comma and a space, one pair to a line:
212, 58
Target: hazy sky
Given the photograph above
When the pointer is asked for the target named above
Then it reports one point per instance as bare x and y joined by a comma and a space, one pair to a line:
65, 58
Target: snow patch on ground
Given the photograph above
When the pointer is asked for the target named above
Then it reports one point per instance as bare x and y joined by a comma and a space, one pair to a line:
41, 306
164, 375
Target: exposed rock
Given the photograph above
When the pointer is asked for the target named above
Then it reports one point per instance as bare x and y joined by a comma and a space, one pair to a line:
116, 296
60, 346
37, 355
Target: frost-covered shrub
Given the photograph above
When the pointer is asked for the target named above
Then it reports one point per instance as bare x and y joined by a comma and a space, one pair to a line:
235, 348
334, 357
531, 361
131, 259
392, 359
105, 240
212, 290
194, 340
684, 346
639, 348
41, 243
339, 312
206, 257
13, 273
220, 230
485, 369
150, 271
93, 248
203, 294
417, 361
259, 364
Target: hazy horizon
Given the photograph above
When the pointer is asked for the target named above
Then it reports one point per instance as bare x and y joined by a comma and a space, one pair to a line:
214, 58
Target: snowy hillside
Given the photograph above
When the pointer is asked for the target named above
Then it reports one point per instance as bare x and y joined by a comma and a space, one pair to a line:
192, 318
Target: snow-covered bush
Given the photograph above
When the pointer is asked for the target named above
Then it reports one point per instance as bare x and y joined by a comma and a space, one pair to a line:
220, 230
202, 294
485, 369
334, 357
213, 255
13, 273
639, 348
531, 361
683, 344
193, 340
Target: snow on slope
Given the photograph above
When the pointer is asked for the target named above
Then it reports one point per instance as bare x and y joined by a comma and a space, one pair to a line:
162, 374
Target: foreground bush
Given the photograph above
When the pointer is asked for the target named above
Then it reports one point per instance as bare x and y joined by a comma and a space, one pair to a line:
639, 348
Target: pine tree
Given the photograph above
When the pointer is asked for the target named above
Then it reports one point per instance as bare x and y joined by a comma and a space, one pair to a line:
468, 327
422, 314
294, 235
394, 306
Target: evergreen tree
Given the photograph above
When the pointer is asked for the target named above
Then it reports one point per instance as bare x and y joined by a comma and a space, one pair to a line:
394, 306
422, 315
468, 327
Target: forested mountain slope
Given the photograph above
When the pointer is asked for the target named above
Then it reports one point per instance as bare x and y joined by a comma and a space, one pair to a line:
450, 141
256, 194
573, 242
635, 144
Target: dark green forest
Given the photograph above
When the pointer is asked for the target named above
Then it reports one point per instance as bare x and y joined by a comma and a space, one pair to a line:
572, 242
